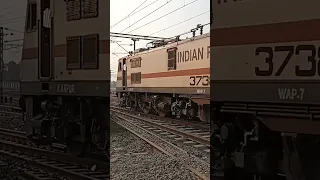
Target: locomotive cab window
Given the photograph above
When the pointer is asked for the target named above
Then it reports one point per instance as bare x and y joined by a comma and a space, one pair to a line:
32, 16
90, 51
172, 61
73, 52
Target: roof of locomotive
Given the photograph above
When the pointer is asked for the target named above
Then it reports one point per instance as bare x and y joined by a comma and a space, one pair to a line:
176, 43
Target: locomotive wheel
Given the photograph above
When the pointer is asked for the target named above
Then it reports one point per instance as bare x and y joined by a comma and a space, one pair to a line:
162, 113
145, 108
132, 105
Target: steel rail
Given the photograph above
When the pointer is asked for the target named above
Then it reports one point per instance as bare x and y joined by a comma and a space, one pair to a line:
205, 141
56, 162
196, 172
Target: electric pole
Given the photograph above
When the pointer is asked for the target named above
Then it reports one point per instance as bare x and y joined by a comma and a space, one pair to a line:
1, 63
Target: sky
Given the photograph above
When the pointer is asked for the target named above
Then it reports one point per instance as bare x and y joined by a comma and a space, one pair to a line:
12, 16
159, 28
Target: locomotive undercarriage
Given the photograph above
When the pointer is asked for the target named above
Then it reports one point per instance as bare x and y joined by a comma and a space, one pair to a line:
166, 105
78, 125
245, 145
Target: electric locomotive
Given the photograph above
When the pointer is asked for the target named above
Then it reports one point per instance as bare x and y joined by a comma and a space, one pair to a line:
265, 81
169, 78
65, 81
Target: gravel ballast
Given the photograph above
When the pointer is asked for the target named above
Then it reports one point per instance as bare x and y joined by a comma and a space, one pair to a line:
13, 169
198, 152
13, 123
196, 163
133, 158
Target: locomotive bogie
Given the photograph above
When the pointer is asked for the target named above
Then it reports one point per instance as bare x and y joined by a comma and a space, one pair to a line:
165, 105
76, 123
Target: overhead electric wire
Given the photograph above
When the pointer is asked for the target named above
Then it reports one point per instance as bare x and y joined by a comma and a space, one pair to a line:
13, 30
185, 5
128, 15
164, 15
7, 21
8, 7
7, 44
133, 36
122, 47
148, 15
13, 40
139, 10
145, 17
179, 23
144, 7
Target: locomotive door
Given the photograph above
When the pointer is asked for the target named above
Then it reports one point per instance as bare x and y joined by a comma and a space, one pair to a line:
45, 40
124, 74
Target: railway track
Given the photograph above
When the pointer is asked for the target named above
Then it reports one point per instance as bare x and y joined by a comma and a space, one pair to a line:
13, 144
151, 130
199, 129
6, 109
197, 134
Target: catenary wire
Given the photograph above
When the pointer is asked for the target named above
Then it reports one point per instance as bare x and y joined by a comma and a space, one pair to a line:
185, 5
9, 29
147, 15
179, 23
7, 21
128, 15
164, 15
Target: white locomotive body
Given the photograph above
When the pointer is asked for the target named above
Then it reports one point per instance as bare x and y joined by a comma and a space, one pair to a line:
171, 79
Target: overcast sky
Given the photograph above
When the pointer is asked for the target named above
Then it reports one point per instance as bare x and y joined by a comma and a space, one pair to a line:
12, 16
121, 9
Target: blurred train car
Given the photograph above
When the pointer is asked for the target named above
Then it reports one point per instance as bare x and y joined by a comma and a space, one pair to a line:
265, 82
65, 79
170, 79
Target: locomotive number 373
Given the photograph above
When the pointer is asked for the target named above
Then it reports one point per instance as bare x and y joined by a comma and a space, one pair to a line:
291, 51
198, 80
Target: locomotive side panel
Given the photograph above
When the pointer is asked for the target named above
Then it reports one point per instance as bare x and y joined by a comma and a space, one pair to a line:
267, 57
189, 76
169, 80
65, 29
264, 77
87, 72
